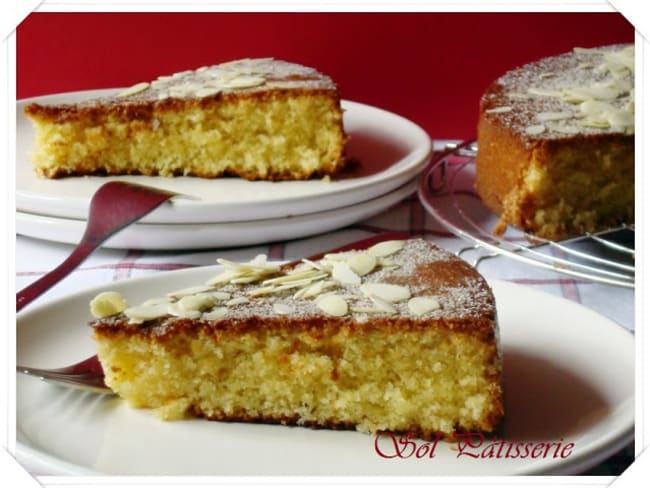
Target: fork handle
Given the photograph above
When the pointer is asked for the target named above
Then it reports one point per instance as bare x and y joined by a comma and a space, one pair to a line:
44, 283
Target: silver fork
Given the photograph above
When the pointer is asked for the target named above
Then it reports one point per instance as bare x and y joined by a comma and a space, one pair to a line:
88, 374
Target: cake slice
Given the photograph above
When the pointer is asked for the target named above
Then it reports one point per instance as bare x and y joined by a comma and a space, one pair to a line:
556, 143
400, 337
260, 119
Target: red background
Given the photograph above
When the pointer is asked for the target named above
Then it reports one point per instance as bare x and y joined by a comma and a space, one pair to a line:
428, 67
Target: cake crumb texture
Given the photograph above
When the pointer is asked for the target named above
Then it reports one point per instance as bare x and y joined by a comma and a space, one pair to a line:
556, 144
257, 119
256, 348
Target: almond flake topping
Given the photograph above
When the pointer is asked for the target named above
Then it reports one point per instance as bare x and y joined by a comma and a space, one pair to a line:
107, 303
338, 284
423, 305
499, 110
385, 291
132, 90
362, 263
386, 248
333, 305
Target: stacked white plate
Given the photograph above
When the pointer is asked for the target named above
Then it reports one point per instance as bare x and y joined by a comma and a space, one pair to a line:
391, 152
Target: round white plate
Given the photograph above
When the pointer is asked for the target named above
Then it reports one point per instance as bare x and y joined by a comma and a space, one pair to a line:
204, 236
569, 377
391, 151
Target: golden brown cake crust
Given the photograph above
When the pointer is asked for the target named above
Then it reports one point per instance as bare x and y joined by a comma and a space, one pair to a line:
553, 121
77, 139
464, 320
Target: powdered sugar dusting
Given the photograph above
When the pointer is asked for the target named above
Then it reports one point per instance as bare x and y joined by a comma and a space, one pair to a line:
567, 84
461, 294
245, 75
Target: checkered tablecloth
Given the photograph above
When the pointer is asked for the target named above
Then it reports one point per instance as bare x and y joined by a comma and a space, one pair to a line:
34, 258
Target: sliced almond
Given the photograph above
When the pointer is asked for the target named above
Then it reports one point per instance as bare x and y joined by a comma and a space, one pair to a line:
192, 290
283, 309
237, 301
132, 90
244, 81
546, 116
362, 263
423, 305
535, 130
342, 273
107, 303
383, 305
620, 118
222, 278
386, 291
333, 305
563, 128
215, 313
157, 300
220, 295
365, 310
315, 289
386, 248
177, 311
590, 107
499, 110
198, 302
207, 91
142, 313
264, 290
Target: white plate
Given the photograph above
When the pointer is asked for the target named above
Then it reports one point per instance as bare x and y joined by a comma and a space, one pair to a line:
569, 377
203, 236
391, 150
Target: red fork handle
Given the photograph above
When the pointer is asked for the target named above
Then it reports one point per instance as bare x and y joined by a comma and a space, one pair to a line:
40, 286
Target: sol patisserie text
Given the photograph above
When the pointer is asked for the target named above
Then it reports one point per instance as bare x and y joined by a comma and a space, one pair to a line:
473, 445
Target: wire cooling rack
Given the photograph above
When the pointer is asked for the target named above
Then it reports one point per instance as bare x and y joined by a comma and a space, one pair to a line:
446, 190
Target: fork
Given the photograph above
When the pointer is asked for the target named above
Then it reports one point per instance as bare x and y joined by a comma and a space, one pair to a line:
114, 206
88, 374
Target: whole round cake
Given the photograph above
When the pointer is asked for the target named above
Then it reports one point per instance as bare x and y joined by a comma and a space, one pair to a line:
556, 143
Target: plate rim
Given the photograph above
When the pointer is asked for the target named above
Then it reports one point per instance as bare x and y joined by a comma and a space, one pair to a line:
598, 449
301, 226
367, 187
